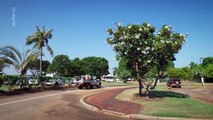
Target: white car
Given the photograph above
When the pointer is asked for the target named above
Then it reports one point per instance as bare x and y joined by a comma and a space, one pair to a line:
50, 82
33, 82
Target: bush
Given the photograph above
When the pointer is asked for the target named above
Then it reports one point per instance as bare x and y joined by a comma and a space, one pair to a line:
11, 80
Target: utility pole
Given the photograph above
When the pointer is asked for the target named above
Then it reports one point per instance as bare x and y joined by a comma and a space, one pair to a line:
201, 73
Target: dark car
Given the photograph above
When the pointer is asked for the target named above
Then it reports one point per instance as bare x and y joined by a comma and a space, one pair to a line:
174, 82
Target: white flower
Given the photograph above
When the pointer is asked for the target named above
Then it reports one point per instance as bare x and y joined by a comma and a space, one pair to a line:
148, 24
147, 48
129, 26
140, 29
138, 49
125, 36
167, 27
167, 42
125, 53
161, 41
137, 36
148, 61
182, 35
144, 52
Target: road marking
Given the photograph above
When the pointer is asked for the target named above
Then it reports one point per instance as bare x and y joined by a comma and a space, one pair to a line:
33, 98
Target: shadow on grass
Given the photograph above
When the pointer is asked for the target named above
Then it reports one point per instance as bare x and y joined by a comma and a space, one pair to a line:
162, 94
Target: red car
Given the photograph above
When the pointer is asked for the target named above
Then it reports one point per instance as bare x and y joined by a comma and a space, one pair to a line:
174, 82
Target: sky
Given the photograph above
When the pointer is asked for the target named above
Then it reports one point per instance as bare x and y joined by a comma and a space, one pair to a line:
80, 25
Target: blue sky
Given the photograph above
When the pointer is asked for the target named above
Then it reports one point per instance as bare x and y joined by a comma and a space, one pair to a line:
80, 25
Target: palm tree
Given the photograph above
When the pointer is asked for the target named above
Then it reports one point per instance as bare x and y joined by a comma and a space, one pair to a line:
40, 39
12, 56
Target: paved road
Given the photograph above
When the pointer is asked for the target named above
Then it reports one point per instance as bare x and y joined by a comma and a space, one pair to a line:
50, 105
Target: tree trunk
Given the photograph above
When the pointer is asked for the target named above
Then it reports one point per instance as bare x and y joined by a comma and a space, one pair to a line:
155, 84
156, 80
140, 87
41, 63
139, 79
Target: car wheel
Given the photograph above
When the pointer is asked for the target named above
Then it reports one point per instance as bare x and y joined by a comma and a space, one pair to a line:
88, 87
99, 86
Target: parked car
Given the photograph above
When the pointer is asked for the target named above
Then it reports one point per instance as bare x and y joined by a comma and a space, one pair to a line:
174, 82
50, 82
89, 83
33, 82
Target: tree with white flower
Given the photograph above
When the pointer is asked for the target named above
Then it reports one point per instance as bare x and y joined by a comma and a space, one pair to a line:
167, 44
132, 47
139, 46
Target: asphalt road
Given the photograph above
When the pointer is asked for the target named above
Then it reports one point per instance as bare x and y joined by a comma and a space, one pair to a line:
50, 105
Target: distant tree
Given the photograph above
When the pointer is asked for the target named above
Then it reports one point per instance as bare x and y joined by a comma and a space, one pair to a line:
206, 61
188, 73
192, 65
40, 39
96, 66
61, 64
78, 68
122, 72
142, 49
34, 66
209, 72
184, 73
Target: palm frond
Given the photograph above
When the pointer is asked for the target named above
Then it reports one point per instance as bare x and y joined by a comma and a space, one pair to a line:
16, 52
38, 29
50, 50
31, 56
43, 30
31, 39
11, 53
48, 34
4, 60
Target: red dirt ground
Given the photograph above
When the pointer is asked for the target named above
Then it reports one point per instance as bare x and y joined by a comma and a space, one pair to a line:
205, 94
106, 100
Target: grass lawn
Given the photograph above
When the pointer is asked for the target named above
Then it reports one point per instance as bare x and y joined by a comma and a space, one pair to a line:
112, 84
5, 88
170, 106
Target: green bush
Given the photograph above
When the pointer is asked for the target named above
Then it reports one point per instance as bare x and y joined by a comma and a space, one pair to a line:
11, 80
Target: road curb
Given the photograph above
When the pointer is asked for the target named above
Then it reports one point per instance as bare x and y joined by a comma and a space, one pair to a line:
108, 112
88, 106
130, 116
